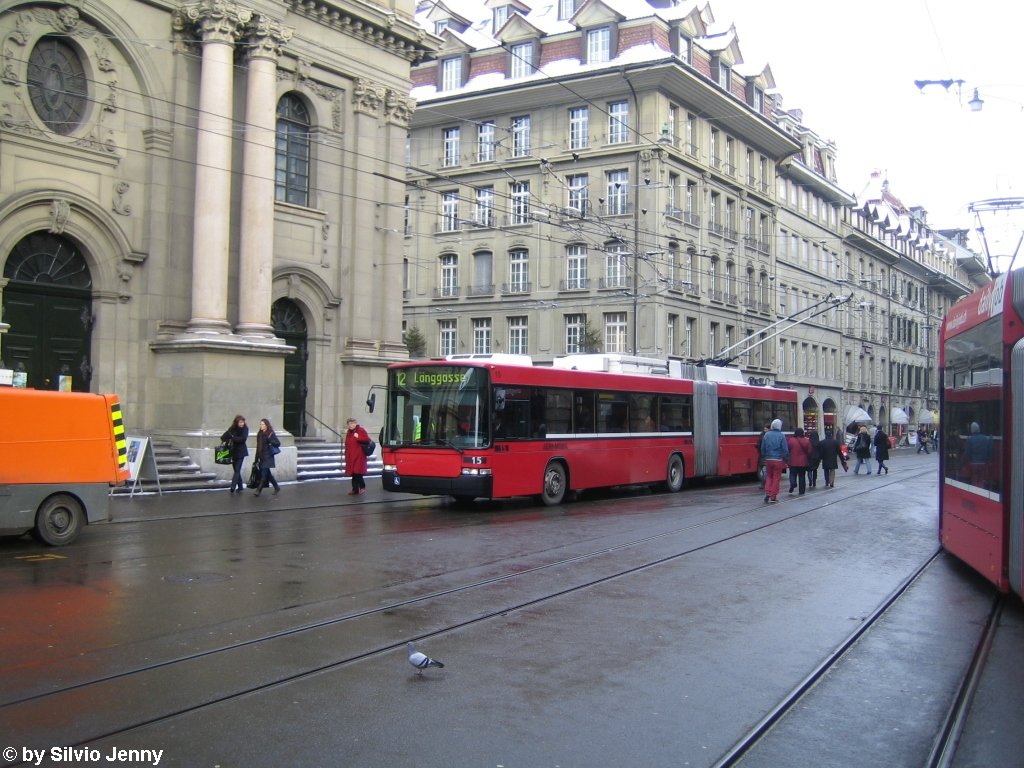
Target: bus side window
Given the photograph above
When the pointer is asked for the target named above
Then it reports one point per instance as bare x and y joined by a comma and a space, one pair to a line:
583, 412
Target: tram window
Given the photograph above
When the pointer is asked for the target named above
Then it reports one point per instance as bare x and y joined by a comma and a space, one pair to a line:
643, 413
583, 412
612, 412
556, 418
676, 413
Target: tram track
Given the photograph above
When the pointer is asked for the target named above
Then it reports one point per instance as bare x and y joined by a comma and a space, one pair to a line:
128, 678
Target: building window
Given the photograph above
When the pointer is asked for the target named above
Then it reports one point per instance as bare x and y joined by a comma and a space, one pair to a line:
451, 146
618, 193
615, 266
618, 122
483, 276
723, 74
57, 85
578, 186
520, 193
716, 150
451, 74
566, 8
291, 170
522, 60
615, 332
482, 336
484, 214
449, 211
440, 26
691, 135
575, 267
671, 332
575, 328
599, 45
500, 17
519, 271
485, 142
685, 48
579, 127
449, 275
521, 136
518, 336
713, 339
447, 337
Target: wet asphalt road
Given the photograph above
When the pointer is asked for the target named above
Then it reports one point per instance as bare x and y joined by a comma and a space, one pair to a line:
624, 629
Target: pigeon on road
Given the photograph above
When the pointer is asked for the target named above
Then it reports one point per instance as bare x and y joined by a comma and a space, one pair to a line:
420, 660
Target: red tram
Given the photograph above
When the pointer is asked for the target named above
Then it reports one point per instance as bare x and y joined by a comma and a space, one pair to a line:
981, 386
497, 426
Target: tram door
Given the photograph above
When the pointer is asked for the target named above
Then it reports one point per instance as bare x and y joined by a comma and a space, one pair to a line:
290, 326
48, 305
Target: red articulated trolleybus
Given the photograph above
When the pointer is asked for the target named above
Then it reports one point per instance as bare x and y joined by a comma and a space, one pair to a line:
497, 426
981, 391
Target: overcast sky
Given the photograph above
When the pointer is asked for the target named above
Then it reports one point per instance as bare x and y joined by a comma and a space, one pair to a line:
851, 68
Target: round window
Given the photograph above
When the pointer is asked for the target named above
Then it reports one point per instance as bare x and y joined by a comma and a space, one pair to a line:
57, 85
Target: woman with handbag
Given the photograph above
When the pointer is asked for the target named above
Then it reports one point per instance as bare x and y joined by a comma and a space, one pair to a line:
267, 447
236, 437
355, 456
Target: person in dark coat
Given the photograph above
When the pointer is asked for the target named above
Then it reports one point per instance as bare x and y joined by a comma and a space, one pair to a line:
862, 450
881, 442
799, 458
266, 442
814, 459
831, 457
355, 457
236, 436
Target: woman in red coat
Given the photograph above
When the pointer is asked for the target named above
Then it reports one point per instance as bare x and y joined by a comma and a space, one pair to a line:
799, 460
355, 458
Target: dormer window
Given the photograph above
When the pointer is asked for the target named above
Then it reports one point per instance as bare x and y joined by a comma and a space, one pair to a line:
722, 73
522, 60
599, 45
685, 51
451, 73
566, 8
440, 26
755, 98
500, 17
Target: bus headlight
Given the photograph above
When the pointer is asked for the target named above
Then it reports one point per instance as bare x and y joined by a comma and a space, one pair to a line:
476, 471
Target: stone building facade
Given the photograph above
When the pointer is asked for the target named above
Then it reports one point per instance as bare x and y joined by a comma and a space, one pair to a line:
609, 175
198, 206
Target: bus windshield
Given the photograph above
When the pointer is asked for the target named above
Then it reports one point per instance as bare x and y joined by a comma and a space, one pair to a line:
437, 406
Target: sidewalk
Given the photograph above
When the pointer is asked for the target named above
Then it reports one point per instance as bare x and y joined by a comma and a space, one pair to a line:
306, 493
204, 503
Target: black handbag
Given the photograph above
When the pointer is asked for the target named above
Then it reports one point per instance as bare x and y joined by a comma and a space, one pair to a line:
254, 475
222, 454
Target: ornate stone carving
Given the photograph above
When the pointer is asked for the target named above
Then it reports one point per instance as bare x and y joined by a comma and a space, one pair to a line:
120, 191
398, 108
267, 37
60, 212
367, 97
217, 20
302, 75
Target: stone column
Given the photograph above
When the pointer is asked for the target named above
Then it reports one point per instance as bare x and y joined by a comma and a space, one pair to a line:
218, 24
256, 242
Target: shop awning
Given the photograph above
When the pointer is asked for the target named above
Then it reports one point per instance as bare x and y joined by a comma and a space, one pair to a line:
898, 416
856, 415
928, 417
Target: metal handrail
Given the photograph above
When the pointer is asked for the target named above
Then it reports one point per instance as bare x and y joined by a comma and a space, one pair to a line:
314, 418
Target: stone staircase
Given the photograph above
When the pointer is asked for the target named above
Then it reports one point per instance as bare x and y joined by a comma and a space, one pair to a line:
316, 458
177, 472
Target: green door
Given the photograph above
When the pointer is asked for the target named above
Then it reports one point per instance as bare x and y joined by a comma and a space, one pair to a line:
48, 305
290, 326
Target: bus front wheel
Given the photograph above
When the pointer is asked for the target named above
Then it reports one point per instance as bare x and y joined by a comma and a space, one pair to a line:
676, 477
59, 520
555, 482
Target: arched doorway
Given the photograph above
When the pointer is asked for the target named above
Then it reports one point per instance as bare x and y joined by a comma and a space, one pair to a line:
290, 325
48, 305
810, 409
